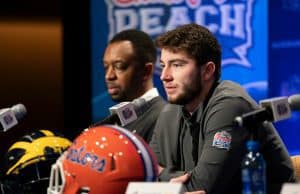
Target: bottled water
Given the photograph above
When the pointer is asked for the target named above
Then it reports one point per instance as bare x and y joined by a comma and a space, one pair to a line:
253, 170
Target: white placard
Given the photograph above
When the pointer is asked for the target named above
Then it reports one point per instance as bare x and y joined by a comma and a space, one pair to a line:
154, 188
290, 188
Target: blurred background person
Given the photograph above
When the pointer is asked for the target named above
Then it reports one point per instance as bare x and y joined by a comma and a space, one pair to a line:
129, 61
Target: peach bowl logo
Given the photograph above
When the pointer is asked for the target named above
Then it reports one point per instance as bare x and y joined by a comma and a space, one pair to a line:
229, 20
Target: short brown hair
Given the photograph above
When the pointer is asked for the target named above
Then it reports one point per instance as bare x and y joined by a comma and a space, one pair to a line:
197, 41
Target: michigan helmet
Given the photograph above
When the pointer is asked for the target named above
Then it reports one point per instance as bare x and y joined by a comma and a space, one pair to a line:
103, 159
27, 163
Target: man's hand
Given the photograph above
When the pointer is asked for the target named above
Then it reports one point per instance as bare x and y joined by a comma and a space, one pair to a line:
183, 179
160, 169
180, 179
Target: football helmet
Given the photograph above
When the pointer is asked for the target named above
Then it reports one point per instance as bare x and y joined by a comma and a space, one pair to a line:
27, 163
103, 159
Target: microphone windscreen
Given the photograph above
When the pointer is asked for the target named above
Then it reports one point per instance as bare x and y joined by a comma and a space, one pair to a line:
19, 110
140, 105
294, 101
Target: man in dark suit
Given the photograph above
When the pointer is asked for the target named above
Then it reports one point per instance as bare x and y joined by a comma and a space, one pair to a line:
195, 140
129, 61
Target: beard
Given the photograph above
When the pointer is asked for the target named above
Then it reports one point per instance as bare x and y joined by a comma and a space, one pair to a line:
120, 97
125, 94
189, 91
117, 98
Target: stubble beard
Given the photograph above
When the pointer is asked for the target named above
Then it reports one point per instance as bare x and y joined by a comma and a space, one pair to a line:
189, 92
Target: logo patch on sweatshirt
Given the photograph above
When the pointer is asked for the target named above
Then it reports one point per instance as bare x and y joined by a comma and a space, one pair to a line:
222, 140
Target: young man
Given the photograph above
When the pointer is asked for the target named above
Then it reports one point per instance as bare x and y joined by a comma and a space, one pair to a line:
129, 61
195, 140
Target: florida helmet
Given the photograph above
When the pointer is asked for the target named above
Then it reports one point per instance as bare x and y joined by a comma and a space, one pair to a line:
103, 159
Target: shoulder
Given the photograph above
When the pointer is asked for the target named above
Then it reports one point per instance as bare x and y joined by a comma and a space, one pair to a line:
155, 106
170, 112
231, 93
158, 101
171, 108
229, 100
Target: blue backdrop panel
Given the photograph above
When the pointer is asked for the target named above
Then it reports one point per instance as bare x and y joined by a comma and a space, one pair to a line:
240, 26
260, 41
284, 62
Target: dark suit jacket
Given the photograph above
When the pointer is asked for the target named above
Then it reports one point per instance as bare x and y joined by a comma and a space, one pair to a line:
145, 123
217, 170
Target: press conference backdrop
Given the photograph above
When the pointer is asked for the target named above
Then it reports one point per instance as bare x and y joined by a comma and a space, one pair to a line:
241, 26
284, 63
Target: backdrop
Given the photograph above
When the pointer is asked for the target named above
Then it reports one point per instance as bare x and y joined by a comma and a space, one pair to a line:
253, 35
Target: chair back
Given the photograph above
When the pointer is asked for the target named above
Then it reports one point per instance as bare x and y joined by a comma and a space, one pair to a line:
296, 164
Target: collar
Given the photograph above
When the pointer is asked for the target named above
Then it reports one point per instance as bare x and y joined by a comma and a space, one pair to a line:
150, 94
202, 105
191, 116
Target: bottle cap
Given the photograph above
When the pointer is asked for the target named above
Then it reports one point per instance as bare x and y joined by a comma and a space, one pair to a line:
252, 145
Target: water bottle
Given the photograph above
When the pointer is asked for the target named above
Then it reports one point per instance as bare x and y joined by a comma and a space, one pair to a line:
253, 170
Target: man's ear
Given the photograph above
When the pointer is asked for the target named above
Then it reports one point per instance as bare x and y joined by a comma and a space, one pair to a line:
208, 70
148, 71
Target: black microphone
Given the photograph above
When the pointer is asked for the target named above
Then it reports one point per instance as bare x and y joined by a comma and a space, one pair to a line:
112, 119
125, 112
273, 109
10, 117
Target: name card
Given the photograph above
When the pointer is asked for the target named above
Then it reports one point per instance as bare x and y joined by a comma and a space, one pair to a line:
154, 188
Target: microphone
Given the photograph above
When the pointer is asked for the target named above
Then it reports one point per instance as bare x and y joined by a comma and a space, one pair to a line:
125, 112
294, 101
9, 117
273, 109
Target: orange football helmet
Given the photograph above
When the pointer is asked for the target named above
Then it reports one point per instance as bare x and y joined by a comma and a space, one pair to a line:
103, 159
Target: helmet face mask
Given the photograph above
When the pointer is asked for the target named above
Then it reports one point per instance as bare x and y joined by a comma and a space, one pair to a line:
103, 159
27, 163
57, 179
29, 179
